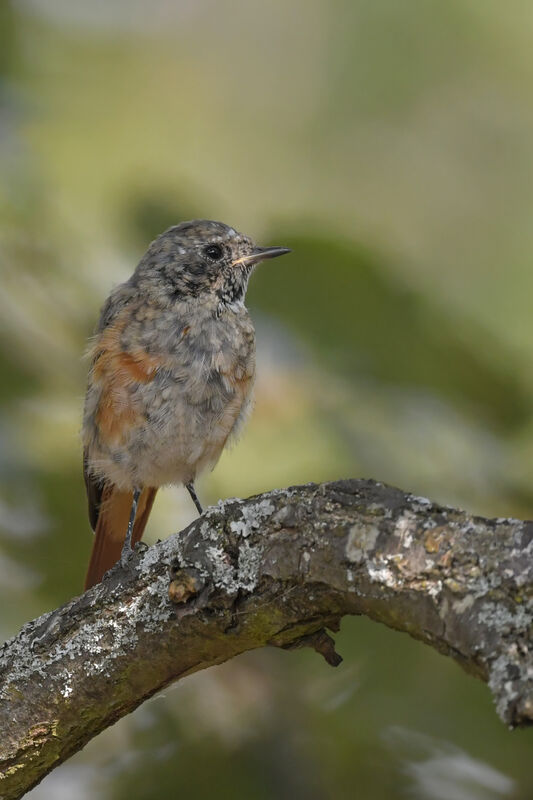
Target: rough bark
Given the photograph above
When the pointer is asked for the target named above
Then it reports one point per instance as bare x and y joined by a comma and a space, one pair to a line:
275, 569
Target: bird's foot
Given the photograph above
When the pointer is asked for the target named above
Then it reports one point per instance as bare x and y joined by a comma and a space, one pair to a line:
126, 554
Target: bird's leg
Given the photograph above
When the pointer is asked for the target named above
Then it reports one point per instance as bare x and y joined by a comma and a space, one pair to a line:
192, 491
126, 547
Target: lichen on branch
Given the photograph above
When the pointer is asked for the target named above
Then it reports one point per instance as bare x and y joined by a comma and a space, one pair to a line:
275, 569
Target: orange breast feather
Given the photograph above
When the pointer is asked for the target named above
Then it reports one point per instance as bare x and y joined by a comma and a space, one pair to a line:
116, 372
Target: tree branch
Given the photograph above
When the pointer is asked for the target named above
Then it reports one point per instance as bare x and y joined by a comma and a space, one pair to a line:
275, 569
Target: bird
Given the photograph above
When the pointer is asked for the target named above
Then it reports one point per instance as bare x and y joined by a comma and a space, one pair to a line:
172, 369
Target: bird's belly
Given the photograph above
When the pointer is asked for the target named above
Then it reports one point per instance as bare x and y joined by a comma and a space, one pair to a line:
186, 427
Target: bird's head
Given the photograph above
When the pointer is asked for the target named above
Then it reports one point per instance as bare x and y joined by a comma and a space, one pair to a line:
201, 259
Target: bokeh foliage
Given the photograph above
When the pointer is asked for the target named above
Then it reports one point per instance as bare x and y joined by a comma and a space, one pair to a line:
391, 146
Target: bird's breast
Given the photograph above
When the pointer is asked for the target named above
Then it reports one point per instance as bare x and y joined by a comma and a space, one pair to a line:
173, 422
210, 360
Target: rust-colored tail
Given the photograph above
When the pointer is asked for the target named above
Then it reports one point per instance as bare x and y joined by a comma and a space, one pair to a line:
110, 532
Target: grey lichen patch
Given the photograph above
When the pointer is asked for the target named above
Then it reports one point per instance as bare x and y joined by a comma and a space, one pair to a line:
249, 565
421, 502
231, 578
94, 643
213, 554
505, 620
221, 569
239, 527
252, 516
505, 686
150, 558
241, 517
361, 540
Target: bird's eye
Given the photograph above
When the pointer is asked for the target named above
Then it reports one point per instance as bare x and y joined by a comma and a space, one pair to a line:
213, 251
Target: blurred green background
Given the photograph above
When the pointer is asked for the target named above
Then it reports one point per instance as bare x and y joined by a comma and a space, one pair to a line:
390, 144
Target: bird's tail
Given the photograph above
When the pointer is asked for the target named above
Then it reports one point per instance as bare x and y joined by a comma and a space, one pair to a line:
111, 527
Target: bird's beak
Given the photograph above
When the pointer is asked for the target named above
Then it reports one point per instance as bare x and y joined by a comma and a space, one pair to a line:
260, 254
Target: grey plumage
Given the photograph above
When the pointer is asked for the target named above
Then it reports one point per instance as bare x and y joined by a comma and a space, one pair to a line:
173, 360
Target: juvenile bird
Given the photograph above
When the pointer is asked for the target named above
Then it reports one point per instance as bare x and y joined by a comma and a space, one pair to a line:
171, 378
